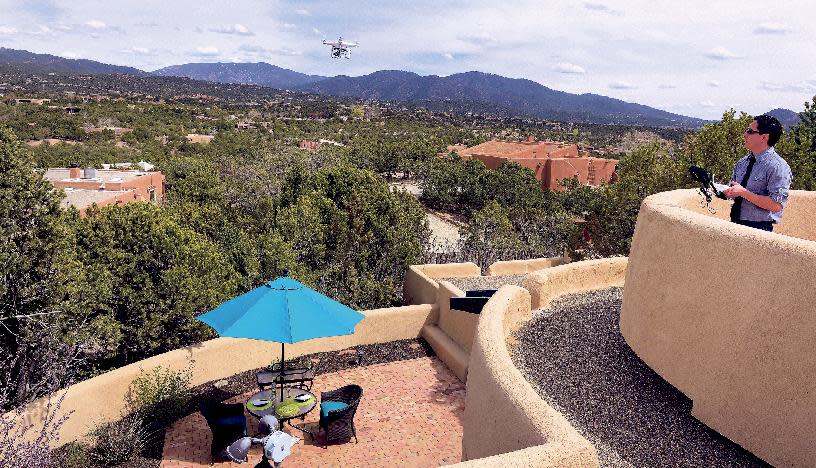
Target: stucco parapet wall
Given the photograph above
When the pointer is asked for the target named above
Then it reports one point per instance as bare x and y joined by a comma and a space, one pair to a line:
516, 267
545, 285
419, 286
102, 398
503, 413
725, 313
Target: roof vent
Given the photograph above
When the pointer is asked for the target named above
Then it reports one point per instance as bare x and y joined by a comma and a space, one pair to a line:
90, 173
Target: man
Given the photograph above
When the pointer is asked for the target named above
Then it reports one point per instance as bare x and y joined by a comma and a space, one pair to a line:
762, 193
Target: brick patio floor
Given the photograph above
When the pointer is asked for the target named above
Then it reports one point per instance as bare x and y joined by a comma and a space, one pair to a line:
410, 416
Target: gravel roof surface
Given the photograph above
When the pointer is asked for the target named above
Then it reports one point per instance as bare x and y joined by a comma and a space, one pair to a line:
484, 282
575, 357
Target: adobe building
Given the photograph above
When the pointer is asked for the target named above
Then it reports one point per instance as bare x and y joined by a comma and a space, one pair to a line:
200, 139
551, 161
84, 187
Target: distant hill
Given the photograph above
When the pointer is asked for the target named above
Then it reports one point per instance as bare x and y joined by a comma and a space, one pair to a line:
260, 73
523, 96
29, 62
786, 117
463, 92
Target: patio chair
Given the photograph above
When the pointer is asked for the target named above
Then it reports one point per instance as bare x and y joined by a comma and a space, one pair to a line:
302, 377
337, 409
227, 423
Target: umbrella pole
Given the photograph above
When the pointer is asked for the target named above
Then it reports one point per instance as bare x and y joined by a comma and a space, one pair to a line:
280, 377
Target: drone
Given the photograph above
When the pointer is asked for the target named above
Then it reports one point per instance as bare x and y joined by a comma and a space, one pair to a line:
340, 48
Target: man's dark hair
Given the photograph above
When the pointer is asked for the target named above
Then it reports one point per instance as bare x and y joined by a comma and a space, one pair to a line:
771, 126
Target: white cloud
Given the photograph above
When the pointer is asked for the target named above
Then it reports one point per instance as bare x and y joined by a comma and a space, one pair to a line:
235, 29
595, 6
302, 12
713, 83
69, 55
706, 103
6, 30
667, 86
141, 50
260, 51
479, 39
289, 26
94, 35
42, 31
772, 28
569, 68
721, 53
317, 31
808, 86
448, 56
96, 24
206, 51
622, 85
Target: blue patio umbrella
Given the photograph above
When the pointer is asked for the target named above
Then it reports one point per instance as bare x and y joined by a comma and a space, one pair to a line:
283, 310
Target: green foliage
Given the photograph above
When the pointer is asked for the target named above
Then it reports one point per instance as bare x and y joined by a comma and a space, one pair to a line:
611, 218
37, 270
489, 235
160, 397
798, 147
120, 441
152, 278
72, 455
465, 186
717, 146
353, 236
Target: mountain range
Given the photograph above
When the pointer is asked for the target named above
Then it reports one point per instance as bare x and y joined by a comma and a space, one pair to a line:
24, 61
471, 91
261, 73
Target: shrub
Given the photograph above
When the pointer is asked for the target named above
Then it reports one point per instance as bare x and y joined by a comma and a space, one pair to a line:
160, 397
71, 455
118, 442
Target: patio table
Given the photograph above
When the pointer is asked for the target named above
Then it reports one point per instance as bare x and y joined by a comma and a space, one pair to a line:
273, 403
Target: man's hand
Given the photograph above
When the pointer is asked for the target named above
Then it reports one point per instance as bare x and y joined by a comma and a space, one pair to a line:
735, 190
763, 201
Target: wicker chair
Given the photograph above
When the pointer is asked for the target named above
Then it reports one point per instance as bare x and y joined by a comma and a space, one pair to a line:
339, 423
227, 423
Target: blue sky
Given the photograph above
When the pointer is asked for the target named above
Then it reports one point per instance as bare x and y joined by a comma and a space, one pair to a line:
696, 58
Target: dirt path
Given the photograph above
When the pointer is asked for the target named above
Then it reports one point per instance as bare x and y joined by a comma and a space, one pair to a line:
444, 228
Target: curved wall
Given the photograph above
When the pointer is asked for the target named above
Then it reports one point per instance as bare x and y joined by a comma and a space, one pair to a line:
545, 285
725, 313
102, 398
503, 413
506, 422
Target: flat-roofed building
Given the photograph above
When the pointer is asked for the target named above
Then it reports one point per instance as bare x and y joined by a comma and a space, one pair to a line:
84, 187
551, 161
200, 139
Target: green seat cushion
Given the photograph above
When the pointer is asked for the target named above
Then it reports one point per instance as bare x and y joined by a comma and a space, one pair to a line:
327, 406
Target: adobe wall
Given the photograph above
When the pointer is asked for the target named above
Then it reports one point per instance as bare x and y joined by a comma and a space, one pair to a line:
419, 286
603, 169
564, 168
102, 398
519, 267
725, 313
545, 285
504, 416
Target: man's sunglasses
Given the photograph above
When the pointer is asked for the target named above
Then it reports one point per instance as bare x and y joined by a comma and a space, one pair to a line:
751, 131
